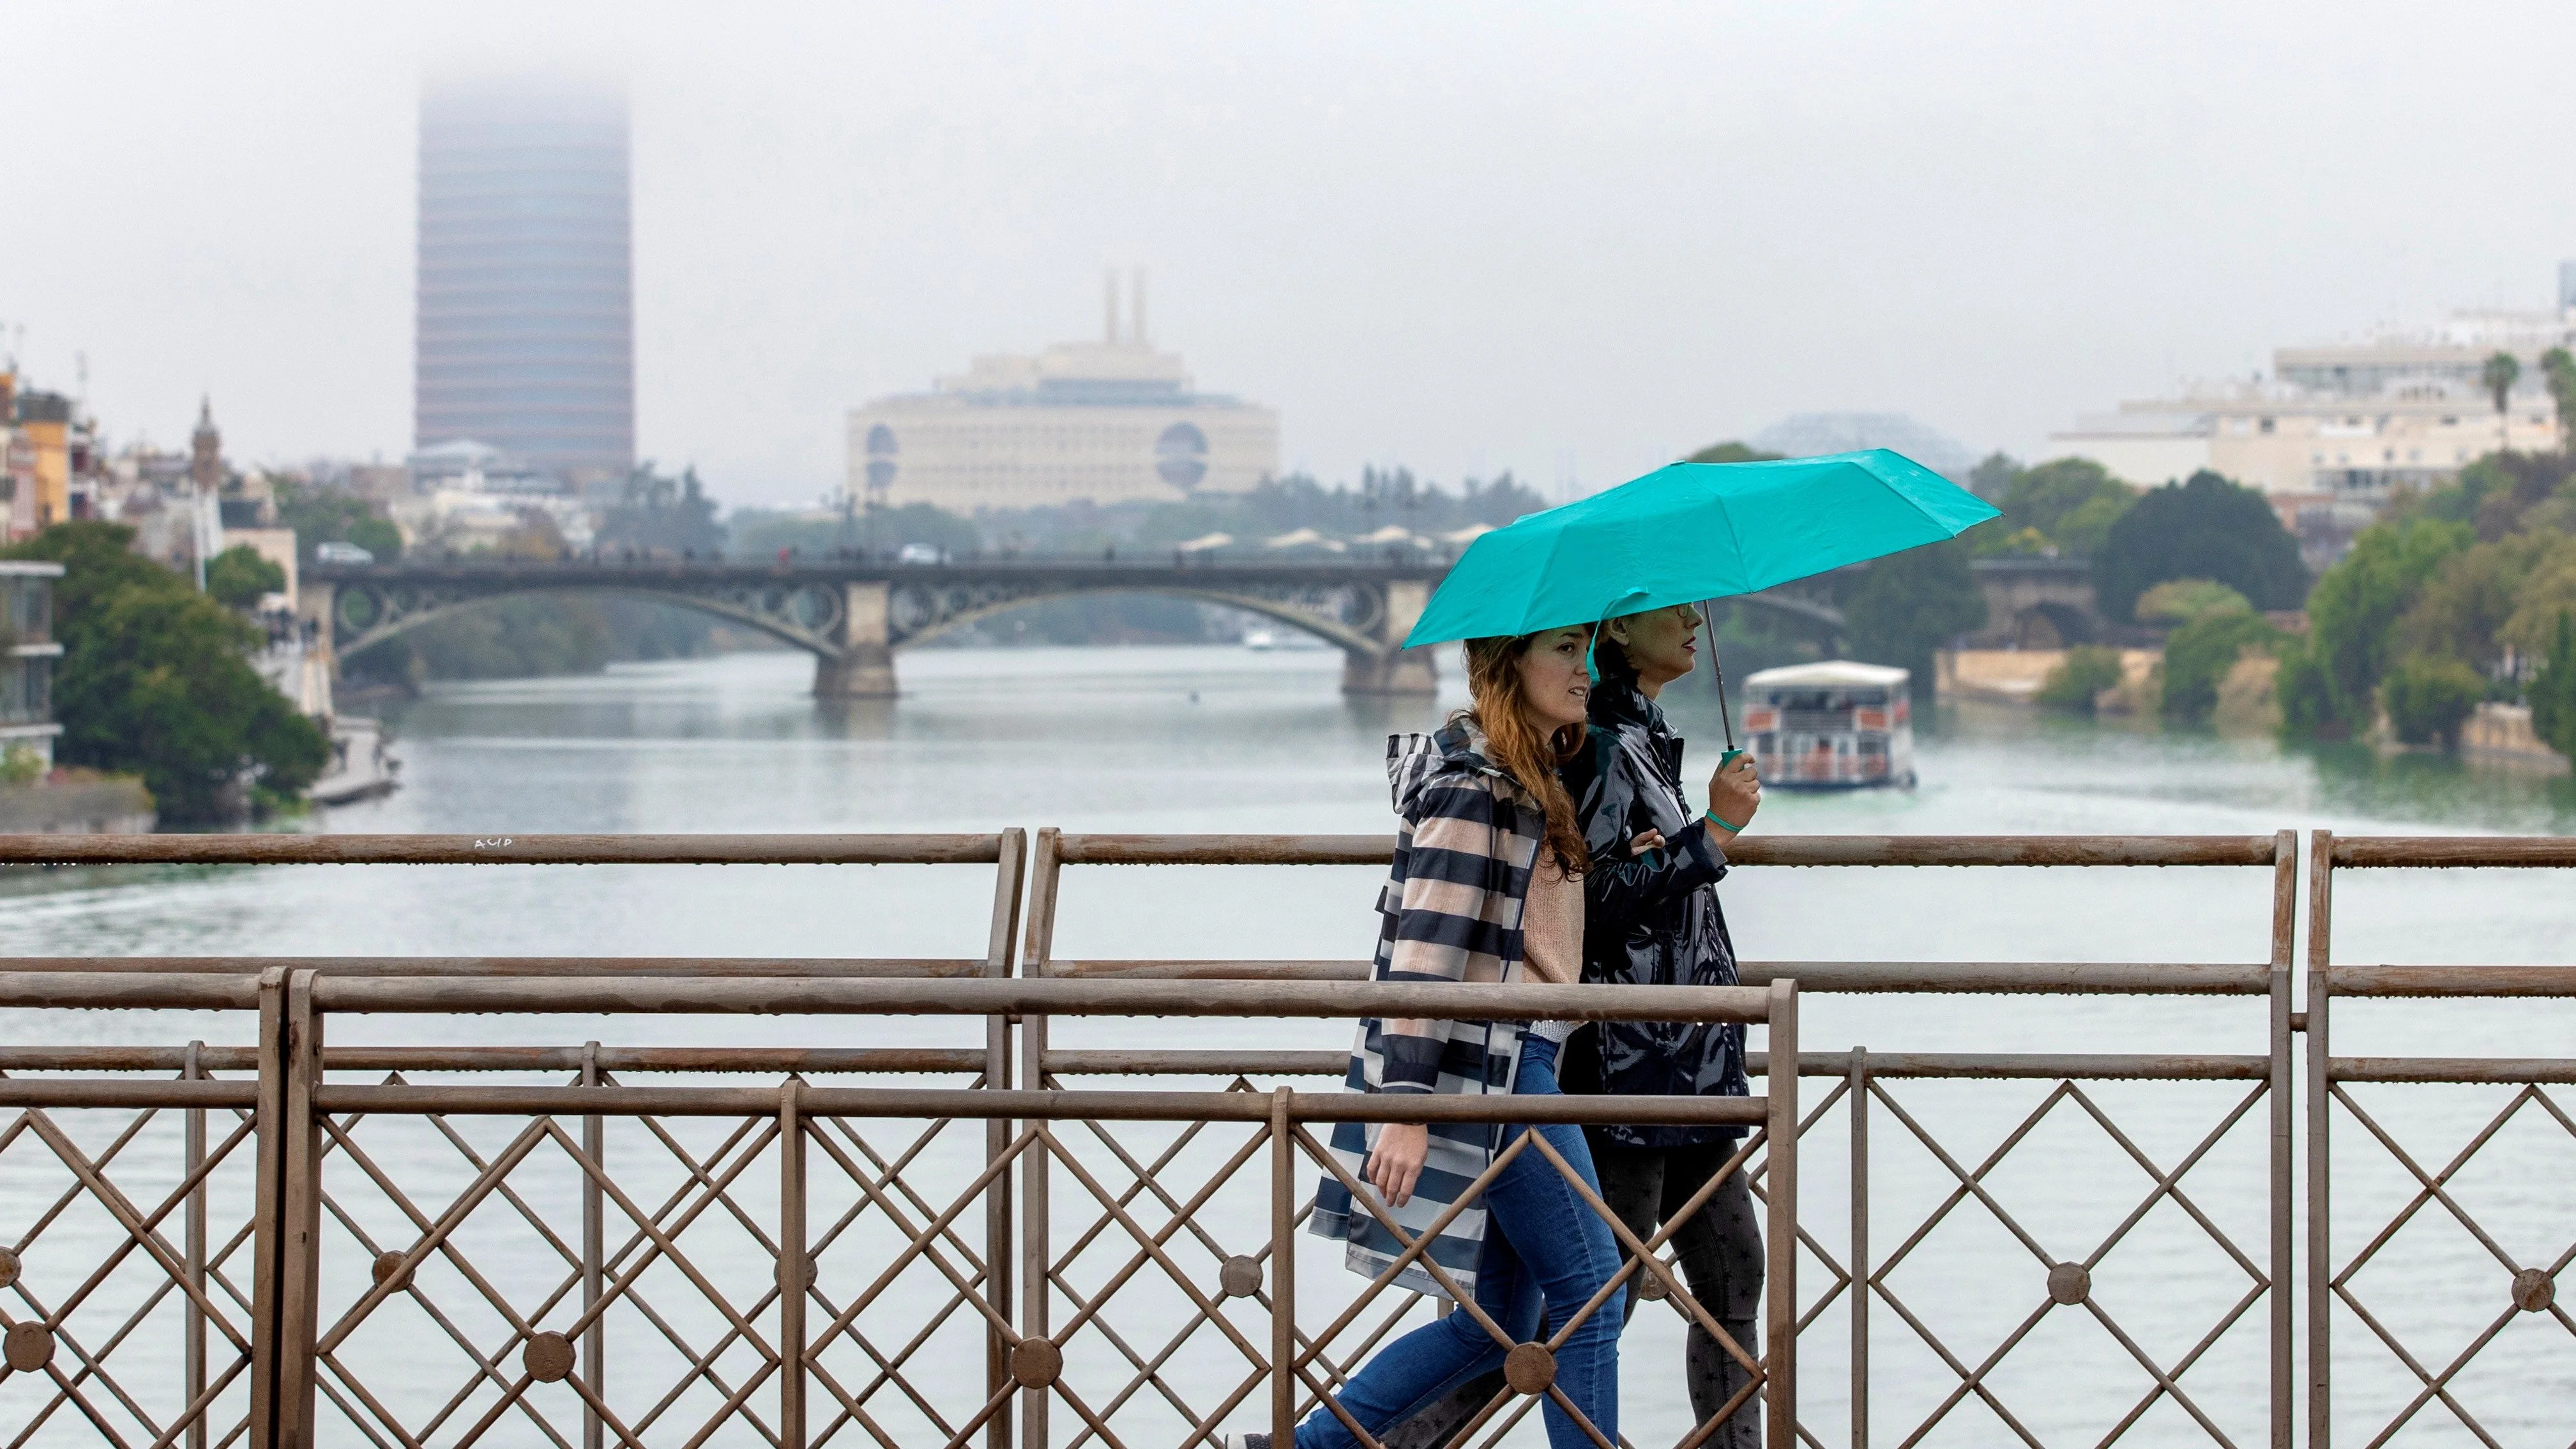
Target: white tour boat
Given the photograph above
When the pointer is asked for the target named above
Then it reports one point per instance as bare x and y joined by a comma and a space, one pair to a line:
1834, 725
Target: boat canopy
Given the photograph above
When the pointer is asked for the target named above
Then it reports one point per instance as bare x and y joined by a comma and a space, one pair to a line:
1830, 674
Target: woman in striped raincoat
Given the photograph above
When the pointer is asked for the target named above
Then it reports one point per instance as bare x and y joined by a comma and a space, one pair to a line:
1486, 888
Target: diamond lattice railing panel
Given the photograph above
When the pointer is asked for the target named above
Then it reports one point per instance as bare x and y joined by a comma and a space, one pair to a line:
98, 1279
453, 1249
1162, 1344
2020, 1252
902, 1312
2452, 1238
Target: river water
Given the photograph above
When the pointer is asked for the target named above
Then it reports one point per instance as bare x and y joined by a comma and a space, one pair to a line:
1227, 740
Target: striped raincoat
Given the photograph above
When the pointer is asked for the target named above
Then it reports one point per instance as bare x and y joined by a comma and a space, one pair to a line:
1466, 838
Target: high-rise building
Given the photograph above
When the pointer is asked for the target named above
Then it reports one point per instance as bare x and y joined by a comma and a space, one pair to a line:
526, 304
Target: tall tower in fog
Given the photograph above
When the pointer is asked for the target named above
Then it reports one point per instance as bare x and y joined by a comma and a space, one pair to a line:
526, 302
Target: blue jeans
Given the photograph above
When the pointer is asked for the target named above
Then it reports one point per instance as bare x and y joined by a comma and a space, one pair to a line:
1545, 1251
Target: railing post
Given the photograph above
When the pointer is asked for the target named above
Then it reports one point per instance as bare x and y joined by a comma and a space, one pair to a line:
299, 1258
792, 1282
1780, 1274
1283, 1272
594, 1249
196, 1349
1858, 1095
2284, 1196
2320, 1153
1036, 1246
1001, 956
269, 1122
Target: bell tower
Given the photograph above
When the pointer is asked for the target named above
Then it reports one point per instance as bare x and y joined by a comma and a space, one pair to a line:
206, 450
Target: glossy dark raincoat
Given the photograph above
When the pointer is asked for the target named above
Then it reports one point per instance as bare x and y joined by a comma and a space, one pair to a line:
1649, 921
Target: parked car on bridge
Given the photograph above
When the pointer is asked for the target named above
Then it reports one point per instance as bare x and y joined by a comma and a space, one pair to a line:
920, 553
336, 552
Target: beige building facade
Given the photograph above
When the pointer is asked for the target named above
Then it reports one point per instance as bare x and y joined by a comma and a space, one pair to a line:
1113, 421
2349, 421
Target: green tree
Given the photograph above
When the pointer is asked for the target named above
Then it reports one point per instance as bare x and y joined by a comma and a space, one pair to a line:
2202, 528
531, 635
2469, 602
2499, 375
377, 536
2553, 691
2080, 678
2043, 496
156, 680
665, 515
2199, 655
1910, 604
2558, 369
2083, 531
2330, 680
1992, 478
2546, 595
2427, 696
1731, 453
238, 578
2179, 601
2068, 504
21, 765
327, 515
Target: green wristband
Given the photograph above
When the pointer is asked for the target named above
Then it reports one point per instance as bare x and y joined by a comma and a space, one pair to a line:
1729, 826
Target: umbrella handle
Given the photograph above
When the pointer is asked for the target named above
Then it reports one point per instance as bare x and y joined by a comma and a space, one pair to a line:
1723, 718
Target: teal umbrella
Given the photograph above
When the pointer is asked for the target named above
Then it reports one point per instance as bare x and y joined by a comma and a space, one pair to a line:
1690, 532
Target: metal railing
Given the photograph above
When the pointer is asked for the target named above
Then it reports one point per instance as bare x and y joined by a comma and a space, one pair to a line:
1863, 1088
1103, 1210
2518, 1287
295, 1349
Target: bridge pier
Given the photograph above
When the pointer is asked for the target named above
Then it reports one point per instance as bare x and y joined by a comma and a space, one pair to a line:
1394, 670
317, 602
865, 666
1406, 671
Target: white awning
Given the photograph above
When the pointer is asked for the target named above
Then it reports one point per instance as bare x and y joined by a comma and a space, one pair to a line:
1392, 533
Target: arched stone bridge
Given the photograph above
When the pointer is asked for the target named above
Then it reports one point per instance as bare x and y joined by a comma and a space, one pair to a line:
2039, 602
852, 615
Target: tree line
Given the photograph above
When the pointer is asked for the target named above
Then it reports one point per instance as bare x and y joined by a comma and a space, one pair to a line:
156, 679
2205, 529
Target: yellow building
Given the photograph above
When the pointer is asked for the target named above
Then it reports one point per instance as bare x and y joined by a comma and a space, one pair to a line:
1113, 421
45, 425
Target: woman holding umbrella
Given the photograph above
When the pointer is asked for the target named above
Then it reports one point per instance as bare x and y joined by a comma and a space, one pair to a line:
1652, 919
1486, 888
1637, 557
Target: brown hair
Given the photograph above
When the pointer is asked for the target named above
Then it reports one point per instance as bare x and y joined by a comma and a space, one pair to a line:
1515, 744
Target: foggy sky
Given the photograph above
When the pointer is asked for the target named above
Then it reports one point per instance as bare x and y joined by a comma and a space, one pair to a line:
1565, 240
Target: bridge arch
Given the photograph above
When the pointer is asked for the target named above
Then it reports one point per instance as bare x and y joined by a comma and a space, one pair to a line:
2052, 624
1343, 622
807, 617
1815, 615
852, 614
